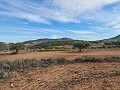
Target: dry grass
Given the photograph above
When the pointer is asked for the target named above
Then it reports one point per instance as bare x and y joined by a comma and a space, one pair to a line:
58, 54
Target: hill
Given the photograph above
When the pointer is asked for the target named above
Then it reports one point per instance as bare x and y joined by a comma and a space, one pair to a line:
112, 39
38, 41
116, 38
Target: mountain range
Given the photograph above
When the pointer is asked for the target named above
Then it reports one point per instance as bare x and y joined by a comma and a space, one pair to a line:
38, 41
65, 39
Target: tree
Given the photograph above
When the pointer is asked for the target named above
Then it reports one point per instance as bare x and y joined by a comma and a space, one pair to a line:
16, 47
3, 46
116, 43
113, 44
81, 45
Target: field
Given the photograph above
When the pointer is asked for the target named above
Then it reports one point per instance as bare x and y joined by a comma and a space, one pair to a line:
59, 54
70, 76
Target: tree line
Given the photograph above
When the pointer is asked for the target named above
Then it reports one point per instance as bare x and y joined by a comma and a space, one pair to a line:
15, 47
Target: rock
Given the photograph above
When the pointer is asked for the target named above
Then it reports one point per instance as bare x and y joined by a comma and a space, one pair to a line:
11, 85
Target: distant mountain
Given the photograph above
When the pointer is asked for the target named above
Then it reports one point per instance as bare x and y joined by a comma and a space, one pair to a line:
38, 41
112, 39
116, 38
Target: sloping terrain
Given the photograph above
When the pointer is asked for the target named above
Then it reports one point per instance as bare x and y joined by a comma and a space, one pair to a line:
112, 39
116, 38
77, 76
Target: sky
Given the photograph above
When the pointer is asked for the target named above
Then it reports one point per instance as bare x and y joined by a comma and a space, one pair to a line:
22, 20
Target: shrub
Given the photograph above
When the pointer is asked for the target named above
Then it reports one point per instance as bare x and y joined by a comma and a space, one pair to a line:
61, 61
9, 75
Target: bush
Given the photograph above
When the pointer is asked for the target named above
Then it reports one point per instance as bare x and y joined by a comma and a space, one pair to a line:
61, 61
16, 47
9, 75
3, 46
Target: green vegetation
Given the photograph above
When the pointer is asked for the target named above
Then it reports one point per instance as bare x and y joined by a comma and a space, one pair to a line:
60, 45
81, 45
16, 47
112, 44
3, 46
48, 45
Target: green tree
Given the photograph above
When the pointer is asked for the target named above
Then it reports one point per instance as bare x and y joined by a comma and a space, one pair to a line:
3, 46
16, 47
81, 45
116, 43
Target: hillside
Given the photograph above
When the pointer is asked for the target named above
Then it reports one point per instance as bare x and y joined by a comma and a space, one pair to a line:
113, 38
116, 38
38, 41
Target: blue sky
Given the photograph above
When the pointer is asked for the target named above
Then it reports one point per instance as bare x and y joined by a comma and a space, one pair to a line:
22, 20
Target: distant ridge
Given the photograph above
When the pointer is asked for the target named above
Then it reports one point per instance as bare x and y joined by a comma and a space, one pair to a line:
116, 38
113, 38
38, 41
46, 40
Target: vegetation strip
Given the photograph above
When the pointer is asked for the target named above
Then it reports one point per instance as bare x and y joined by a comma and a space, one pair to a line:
8, 69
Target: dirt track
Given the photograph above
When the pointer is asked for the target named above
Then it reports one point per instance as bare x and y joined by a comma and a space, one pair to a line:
57, 54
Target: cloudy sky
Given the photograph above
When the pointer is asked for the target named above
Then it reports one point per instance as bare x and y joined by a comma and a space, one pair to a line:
22, 20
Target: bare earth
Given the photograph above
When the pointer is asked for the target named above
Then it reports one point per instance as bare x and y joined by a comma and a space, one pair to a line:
85, 76
58, 54
77, 76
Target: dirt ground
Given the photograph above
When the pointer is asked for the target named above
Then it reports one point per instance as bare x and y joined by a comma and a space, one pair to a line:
76, 76
79, 76
58, 54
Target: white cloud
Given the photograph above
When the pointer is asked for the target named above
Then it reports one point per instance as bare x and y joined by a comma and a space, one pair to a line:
55, 37
81, 32
59, 10
100, 29
32, 11
30, 31
117, 31
87, 9
18, 38
113, 25
79, 6
116, 26
33, 17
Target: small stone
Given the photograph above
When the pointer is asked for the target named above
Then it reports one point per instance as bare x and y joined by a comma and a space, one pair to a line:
11, 85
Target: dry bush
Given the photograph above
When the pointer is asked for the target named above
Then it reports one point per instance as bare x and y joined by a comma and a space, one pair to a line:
9, 69
9, 75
